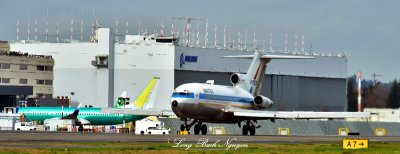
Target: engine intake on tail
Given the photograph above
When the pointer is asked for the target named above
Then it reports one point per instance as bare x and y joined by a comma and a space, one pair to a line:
262, 102
237, 78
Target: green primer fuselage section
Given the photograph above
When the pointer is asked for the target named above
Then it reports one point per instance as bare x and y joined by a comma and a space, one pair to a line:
92, 115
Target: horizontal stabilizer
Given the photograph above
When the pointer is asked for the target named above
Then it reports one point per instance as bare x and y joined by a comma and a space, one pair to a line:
270, 57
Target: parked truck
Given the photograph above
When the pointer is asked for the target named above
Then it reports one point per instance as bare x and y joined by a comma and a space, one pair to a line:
59, 124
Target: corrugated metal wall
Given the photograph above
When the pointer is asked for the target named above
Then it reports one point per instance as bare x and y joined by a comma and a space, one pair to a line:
300, 127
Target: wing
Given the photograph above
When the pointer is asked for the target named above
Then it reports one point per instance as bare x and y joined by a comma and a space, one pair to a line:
144, 112
260, 114
83, 122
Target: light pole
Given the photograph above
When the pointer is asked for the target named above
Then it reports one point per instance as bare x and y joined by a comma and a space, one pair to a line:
70, 100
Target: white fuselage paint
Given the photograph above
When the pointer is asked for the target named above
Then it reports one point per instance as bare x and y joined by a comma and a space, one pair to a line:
208, 103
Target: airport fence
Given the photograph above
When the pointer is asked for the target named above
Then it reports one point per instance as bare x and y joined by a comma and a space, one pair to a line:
301, 127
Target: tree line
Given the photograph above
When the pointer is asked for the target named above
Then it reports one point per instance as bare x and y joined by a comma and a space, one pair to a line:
374, 94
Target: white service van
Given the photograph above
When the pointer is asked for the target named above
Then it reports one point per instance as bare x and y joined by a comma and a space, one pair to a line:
25, 126
157, 131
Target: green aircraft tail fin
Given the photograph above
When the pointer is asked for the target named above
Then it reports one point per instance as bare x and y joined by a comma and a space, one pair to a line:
122, 101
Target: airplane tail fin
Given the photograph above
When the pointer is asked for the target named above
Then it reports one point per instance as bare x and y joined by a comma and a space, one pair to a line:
252, 80
147, 97
75, 114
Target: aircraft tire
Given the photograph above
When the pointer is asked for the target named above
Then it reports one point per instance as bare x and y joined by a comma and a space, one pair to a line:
252, 130
182, 127
245, 129
80, 128
197, 129
204, 129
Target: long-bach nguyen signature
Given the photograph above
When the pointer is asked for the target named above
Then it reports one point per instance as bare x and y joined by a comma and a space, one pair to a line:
204, 143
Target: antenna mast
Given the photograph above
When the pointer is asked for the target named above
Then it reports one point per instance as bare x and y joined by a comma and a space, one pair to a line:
286, 40
206, 39
58, 30
36, 29
295, 41
72, 27
245, 39
215, 36
17, 29
270, 38
47, 24
116, 29
224, 36
254, 38
82, 26
126, 26
302, 42
29, 32
198, 35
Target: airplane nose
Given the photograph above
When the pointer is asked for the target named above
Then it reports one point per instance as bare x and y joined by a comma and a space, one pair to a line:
174, 103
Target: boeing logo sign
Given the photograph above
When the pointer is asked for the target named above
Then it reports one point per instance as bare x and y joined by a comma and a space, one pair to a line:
189, 59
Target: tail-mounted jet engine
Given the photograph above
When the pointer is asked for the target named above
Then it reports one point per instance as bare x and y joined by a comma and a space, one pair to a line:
262, 102
237, 78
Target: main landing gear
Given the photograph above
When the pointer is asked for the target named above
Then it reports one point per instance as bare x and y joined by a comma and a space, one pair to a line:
248, 128
198, 127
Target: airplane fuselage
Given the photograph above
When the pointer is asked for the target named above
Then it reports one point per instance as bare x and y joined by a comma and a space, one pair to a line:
208, 103
91, 115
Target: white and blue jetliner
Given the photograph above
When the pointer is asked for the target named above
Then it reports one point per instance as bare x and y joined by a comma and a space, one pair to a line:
209, 103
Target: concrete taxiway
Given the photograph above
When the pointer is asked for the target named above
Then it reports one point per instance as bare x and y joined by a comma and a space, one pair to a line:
12, 136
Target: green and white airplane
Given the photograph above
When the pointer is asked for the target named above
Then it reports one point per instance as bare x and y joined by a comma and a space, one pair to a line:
94, 116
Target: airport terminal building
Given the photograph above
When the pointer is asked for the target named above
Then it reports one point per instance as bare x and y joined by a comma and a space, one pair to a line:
98, 71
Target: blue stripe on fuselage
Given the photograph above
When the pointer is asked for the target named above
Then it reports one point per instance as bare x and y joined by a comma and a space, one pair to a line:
182, 95
226, 98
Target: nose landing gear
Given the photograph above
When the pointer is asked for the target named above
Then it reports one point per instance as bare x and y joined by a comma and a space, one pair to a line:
198, 127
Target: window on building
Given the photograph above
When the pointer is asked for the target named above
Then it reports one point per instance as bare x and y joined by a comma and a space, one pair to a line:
23, 81
44, 68
5, 66
48, 68
40, 82
48, 82
40, 68
39, 95
5, 80
48, 96
23, 67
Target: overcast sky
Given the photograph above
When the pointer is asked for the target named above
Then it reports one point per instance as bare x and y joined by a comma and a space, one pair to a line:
368, 30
